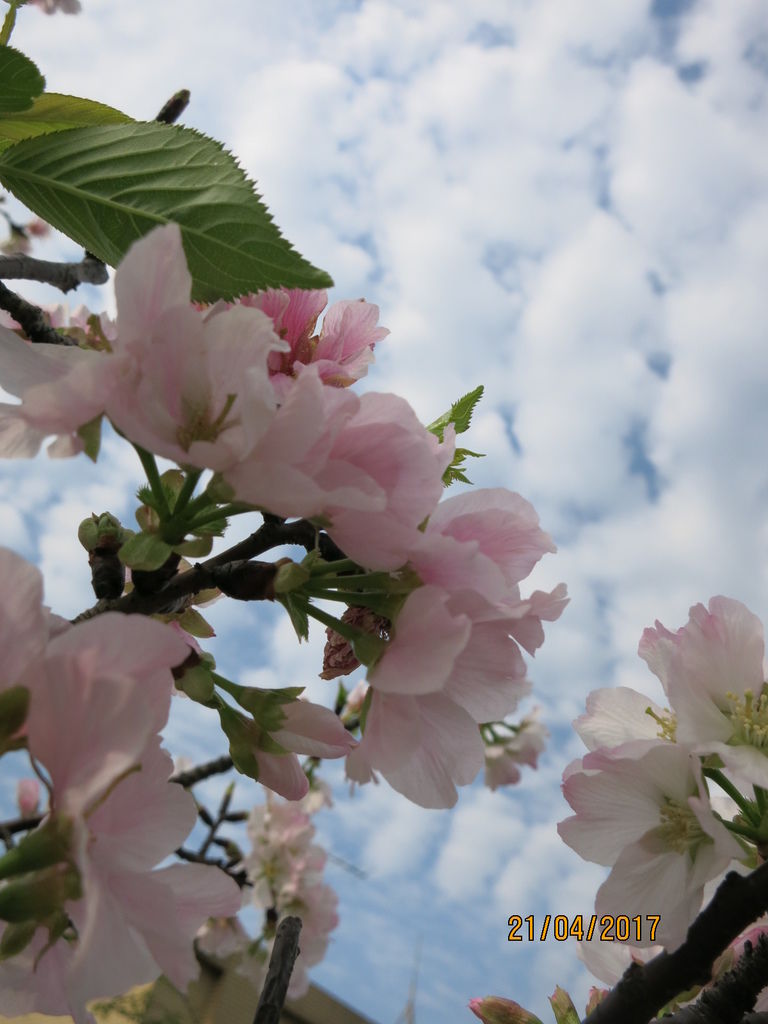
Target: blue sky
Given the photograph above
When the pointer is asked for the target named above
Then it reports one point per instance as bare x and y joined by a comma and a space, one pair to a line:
567, 203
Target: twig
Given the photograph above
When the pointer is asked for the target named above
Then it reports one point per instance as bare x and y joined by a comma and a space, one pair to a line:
31, 319
738, 901
284, 953
15, 825
202, 771
64, 276
243, 579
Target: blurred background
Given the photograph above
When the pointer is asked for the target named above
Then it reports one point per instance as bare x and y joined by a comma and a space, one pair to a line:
567, 203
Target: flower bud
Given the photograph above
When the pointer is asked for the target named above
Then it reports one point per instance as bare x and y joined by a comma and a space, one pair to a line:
497, 1010
46, 845
290, 576
103, 531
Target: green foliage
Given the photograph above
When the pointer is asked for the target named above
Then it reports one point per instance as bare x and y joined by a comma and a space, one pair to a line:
107, 186
144, 551
460, 415
295, 603
52, 112
20, 81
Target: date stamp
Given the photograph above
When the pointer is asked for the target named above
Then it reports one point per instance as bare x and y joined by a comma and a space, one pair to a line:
608, 928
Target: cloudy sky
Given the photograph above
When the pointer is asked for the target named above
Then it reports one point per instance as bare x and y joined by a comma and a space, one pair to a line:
566, 202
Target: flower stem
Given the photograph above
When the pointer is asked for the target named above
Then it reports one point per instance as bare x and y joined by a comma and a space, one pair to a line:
187, 490
325, 568
745, 806
342, 628
8, 23
237, 508
153, 478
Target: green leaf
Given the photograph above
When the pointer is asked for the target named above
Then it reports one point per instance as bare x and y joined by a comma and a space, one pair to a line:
144, 551
455, 472
20, 81
460, 414
53, 112
197, 548
108, 186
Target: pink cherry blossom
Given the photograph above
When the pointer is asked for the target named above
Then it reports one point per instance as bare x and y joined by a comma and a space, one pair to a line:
367, 467
712, 672
649, 817
342, 351
193, 385
520, 747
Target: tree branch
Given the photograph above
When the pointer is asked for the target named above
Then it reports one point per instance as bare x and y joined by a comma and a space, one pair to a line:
31, 319
733, 995
64, 276
737, 903
231, 571
284, 953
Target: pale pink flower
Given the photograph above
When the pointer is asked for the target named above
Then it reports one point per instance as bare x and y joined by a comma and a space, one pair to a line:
712, 672
314, 730
341, 352
91, 730
61, 387
649, 817
618, 715
367, 467
424, 746
521, 747
486, 540
193, 385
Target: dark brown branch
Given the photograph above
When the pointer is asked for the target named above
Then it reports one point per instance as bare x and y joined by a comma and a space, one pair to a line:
14, 825
284, 953
738, 901
64, 276
202, 771
733, 995
231, 571
174, 108
31, 319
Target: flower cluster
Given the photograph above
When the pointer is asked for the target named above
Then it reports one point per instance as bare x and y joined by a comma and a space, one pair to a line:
87, 912
642, 794
285, 869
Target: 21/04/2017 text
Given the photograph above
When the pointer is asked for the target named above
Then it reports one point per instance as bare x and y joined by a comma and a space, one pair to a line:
608, 928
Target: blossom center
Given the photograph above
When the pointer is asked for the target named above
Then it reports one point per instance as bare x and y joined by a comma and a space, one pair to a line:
200, 427
680, 828
667, 723
749, 718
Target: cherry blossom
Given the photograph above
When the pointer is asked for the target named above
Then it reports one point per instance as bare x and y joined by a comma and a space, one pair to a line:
648, 815
341, 352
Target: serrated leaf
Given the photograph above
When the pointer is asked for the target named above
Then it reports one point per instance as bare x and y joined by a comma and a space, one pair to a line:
144, 551
54, 112
460, 414
108, 186
20, 80
455, 472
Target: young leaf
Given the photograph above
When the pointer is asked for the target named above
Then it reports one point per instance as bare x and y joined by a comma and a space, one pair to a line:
295, 603
456, 469
108, 186
20, 81
459, 414
52, 112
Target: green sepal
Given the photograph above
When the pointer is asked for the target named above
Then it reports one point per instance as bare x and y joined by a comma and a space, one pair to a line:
193, 622
266, 706
219, 491
290, 576
90, 434
49, 844
197, 548
296, 604
145, 551
368, 649
16, 938
38, 895
197, 683
563, 1008
14, 705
